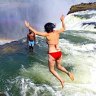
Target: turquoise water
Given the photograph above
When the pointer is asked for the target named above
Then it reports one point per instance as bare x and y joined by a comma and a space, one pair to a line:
26, 74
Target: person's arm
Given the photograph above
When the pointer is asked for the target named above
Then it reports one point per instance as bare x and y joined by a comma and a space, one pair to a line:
63, 25
35, 31
27, 38
35, 38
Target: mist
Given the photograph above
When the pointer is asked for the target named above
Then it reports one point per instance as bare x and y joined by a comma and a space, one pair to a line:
14, 12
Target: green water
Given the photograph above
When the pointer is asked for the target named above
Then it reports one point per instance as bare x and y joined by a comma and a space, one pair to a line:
23, 73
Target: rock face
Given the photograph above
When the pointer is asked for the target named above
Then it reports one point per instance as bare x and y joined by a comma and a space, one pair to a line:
2, 94
13, 47
82, 7
20, 46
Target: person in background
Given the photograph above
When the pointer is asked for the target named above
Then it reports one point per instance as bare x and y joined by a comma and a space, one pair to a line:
54, 54
31, 40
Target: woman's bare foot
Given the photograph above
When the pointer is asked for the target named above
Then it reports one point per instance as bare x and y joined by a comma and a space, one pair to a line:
71, 76
62, 83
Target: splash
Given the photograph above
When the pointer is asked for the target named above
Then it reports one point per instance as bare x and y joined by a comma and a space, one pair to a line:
81, 21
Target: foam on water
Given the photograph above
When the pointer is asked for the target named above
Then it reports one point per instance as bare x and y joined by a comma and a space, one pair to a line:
74, 21
85, 34
82, 58
79, 58
28, 88
3, 41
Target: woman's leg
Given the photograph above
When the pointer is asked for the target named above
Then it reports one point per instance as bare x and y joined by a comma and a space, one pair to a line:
60, 67
51, 64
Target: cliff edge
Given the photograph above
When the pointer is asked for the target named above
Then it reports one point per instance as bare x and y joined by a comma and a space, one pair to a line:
82, 7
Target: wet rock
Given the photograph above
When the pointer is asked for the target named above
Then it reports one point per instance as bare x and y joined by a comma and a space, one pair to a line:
82, 7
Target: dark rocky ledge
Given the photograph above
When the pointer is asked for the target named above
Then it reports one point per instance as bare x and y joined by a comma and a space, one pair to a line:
2, 94
82, 7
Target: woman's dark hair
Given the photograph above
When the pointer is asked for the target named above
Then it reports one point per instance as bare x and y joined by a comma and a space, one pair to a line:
49, 27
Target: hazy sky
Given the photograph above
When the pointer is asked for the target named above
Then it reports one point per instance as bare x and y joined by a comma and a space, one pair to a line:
54, 8
42, 10
65, 4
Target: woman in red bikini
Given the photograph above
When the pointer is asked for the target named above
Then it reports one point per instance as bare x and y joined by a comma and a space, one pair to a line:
54, 53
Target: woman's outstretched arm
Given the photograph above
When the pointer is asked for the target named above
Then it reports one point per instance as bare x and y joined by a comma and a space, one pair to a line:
62, 29
35, 31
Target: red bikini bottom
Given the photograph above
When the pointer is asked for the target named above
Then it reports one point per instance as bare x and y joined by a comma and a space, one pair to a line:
56, 55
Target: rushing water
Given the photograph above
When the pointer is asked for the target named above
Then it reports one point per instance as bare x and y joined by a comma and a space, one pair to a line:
83, 20
26, 74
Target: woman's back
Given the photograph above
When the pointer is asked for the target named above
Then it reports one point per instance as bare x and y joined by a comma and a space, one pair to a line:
53, 38
52, 41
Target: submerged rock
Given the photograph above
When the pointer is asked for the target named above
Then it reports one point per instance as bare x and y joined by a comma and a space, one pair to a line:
2, 94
